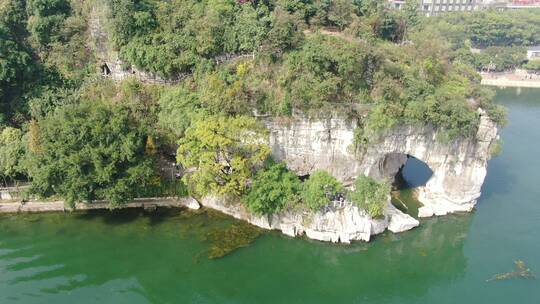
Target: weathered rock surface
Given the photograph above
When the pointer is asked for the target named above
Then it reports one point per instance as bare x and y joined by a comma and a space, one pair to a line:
341, 222
5, 195
400, 221
459, 166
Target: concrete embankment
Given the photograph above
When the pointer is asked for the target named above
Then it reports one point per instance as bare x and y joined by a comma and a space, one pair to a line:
507, 83
518, 78
147, 203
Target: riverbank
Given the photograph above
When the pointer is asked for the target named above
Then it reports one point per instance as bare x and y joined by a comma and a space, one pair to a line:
339, 225
55, 206
515, 79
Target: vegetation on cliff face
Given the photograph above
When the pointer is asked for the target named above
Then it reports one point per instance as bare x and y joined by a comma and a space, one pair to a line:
75, 134
224, 152
272, 189
320, 190
370, 195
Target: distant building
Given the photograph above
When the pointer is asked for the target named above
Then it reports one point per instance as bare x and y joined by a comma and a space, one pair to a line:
513, 4
435, 7
533, 53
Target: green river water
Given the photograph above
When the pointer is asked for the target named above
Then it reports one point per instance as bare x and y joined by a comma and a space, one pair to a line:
162, 257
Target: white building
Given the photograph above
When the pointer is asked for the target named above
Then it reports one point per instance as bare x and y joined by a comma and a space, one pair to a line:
435, 7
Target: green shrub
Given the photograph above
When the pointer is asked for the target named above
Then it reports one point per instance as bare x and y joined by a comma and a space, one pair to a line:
496, 148
533, 65
225, 151
320, 189
88, 151
273, 187
370, 195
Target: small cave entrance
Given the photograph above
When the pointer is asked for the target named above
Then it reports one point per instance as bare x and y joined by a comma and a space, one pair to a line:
105, 71
303, 178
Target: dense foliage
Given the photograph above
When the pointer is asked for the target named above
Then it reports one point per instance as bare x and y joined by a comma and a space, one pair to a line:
499, 58
159, 37
224, 152
533, 65
490, 27
16, 64
42, 53
370, 195
156, 36
77, 135
501, 37
320, 190
87, 152
11, 154
273, 188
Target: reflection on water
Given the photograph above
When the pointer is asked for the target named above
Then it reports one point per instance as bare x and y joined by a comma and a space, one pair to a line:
160, 258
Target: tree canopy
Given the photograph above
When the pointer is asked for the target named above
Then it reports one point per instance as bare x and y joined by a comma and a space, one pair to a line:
320, 190
11, 153
273, 188
224, 151
84, 137
89, 151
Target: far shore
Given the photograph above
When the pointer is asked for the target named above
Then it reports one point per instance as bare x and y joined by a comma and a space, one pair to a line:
56, 206
517, 79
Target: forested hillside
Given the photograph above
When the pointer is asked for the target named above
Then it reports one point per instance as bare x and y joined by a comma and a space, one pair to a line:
502, 37
76, 134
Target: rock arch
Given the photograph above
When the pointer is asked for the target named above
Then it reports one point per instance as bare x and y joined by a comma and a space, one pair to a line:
395, 166
459, 166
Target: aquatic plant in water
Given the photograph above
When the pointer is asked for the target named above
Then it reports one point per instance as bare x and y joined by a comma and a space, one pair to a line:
521, 272
227, 240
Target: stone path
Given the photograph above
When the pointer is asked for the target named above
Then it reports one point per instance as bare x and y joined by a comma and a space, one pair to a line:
147, 203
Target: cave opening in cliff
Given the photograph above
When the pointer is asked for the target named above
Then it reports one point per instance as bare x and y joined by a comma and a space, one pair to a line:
105, 71
414, 173
303, 178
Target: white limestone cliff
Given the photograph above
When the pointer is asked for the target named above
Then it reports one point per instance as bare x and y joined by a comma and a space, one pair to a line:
459, 166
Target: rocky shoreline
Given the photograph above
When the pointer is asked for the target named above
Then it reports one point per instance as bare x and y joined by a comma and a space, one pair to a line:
337, 223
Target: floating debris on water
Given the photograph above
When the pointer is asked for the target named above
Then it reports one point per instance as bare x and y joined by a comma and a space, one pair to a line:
521, 272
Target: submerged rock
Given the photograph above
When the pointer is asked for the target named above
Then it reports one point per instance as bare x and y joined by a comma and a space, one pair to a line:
425, 211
